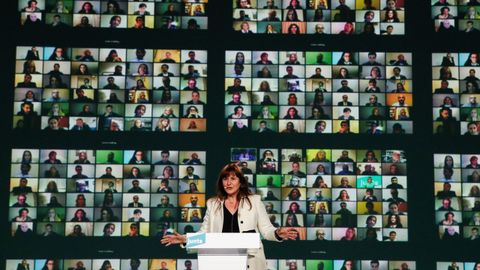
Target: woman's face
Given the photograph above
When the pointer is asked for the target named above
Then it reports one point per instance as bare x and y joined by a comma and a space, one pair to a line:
84, 20
164, 122
269, 28
82, 68
167, 172
393, 209
290, 14
138, 123
374, 72
349, 233
474, 57
347, 28
390, 14
343, 72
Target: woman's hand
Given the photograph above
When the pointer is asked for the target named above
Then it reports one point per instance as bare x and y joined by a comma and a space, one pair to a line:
287, 233
174, 239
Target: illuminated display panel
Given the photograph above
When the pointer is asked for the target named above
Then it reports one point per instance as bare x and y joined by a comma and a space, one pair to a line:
130, 193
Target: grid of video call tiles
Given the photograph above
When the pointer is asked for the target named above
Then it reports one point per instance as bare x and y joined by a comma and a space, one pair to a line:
191, 264
456, 265
76, 193
112, 14
343, 17
456, 16
110, 89
457, 196
319, 92
456, 93
339, 194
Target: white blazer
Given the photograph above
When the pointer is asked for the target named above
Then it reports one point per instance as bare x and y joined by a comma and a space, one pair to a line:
249, 219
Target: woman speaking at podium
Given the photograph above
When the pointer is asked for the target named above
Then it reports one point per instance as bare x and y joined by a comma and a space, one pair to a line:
235, 209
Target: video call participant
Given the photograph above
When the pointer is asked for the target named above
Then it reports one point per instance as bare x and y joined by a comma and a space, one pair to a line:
233, 200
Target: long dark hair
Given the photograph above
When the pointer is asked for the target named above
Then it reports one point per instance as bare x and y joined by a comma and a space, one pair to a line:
243, 192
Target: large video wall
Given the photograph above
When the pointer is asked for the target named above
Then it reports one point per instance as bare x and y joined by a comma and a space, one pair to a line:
104, 193
189, 15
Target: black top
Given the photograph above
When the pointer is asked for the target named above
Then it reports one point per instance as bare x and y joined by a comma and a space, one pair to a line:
230, 222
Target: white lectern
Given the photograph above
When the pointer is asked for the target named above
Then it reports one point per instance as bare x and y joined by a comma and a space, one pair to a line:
222, 251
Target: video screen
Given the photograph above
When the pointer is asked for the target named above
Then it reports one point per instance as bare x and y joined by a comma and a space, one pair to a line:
192, 264
456, 265
457, 196
188, 15
319, 92
456, 93
110, 89
452, 16
319, 17
331, 194
105, 193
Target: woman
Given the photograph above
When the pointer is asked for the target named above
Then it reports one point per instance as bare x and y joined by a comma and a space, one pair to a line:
113, 57
163, 125
26, 157
192, 112
292, 113
138, 157
135, 173
264, 87
264, 73
52, 216
393, 221
51, 187
234, 200
113, 8
80, 216
343, 196
270, 30
50, 264
239, 58
291, 16
167, 173
375, 73
343, 74
31, 6
448, 162
350, 235
293, 29
391, 16
87, 8
319, 183
238, 113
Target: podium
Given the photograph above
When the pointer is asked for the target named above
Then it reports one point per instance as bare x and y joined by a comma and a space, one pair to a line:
221, 251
